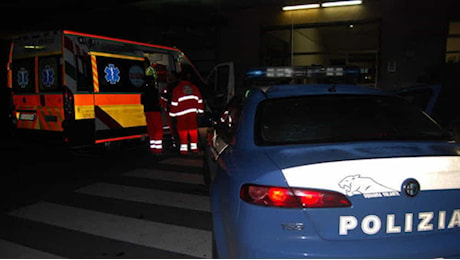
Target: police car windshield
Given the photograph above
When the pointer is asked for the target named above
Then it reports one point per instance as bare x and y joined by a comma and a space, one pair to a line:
341, 118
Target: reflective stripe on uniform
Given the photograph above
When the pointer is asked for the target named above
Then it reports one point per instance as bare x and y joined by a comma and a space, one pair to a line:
184, 112
189, 97
156, 144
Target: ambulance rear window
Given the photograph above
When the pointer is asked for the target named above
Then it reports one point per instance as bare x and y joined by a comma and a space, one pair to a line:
49, 73
23, 75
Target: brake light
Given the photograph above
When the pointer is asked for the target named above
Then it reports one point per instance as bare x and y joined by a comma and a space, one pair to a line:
69, 110
292, 197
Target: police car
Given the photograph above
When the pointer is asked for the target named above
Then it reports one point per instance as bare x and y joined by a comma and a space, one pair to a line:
331, 171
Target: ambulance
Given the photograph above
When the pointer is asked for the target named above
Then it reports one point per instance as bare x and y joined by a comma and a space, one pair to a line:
83, 89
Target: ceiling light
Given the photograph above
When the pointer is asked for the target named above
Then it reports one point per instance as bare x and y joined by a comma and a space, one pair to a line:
341, 3
300, 7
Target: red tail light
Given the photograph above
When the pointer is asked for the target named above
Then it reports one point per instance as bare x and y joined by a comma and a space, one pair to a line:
69, 104
292, 197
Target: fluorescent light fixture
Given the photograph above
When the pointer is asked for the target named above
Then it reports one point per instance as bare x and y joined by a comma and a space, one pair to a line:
300, 7
36, 47
341, 3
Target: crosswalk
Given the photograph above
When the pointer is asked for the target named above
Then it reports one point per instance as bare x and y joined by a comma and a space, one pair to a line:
146, 212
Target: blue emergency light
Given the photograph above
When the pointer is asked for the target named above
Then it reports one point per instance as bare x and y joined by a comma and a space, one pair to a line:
314, 71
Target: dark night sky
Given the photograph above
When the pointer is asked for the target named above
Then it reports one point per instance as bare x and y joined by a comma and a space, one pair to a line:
116, 17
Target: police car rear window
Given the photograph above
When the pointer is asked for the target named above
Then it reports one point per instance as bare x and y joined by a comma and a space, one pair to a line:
341, 118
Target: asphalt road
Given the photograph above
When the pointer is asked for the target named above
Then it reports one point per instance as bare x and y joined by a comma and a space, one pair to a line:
92, 203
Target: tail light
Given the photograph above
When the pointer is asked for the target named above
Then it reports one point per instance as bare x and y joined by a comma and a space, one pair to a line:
69, 110
272, 196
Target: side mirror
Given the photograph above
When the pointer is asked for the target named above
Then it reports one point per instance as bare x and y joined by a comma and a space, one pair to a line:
218, 145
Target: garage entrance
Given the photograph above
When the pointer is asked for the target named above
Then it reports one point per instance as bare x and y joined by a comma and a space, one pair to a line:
347, 43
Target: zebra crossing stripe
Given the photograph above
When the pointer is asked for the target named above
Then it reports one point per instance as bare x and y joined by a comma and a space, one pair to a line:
189, 241
10, 250
150, 196
155, 174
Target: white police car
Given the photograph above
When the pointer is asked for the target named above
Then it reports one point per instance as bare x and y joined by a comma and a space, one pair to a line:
335, 171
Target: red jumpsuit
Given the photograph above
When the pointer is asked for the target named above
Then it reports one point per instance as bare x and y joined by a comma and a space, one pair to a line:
155, 130
186, 103
150, 98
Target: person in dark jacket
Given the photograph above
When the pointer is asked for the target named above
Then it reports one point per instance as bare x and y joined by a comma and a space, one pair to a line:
150, 99
165, 102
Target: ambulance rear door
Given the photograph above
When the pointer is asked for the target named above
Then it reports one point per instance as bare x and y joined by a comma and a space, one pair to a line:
36, 82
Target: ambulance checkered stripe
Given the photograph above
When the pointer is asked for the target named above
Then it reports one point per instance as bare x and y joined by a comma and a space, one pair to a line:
50, 124
73, 62
384, 174
45, 118
70, 64
95, 73
68, 44
140, 215
28, 124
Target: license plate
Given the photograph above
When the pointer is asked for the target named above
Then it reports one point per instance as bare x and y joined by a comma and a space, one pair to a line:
27, 117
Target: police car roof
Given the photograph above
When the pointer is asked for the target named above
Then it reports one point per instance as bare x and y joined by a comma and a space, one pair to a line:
276, 91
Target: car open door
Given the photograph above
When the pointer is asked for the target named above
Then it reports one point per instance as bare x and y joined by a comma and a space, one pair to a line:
437, 101
221, 86
423, 96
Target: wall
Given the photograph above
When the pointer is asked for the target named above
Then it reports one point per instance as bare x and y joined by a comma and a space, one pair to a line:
413, 34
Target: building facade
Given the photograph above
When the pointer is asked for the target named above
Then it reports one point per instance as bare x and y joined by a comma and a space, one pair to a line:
398, 42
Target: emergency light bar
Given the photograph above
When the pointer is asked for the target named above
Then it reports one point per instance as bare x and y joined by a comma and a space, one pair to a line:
300, 72
277, 72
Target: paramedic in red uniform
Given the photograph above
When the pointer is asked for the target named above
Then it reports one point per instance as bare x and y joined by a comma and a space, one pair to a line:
150, 98
186, 103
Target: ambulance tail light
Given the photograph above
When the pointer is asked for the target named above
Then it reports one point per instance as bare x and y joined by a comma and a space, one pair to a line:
69, 111
272, 196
